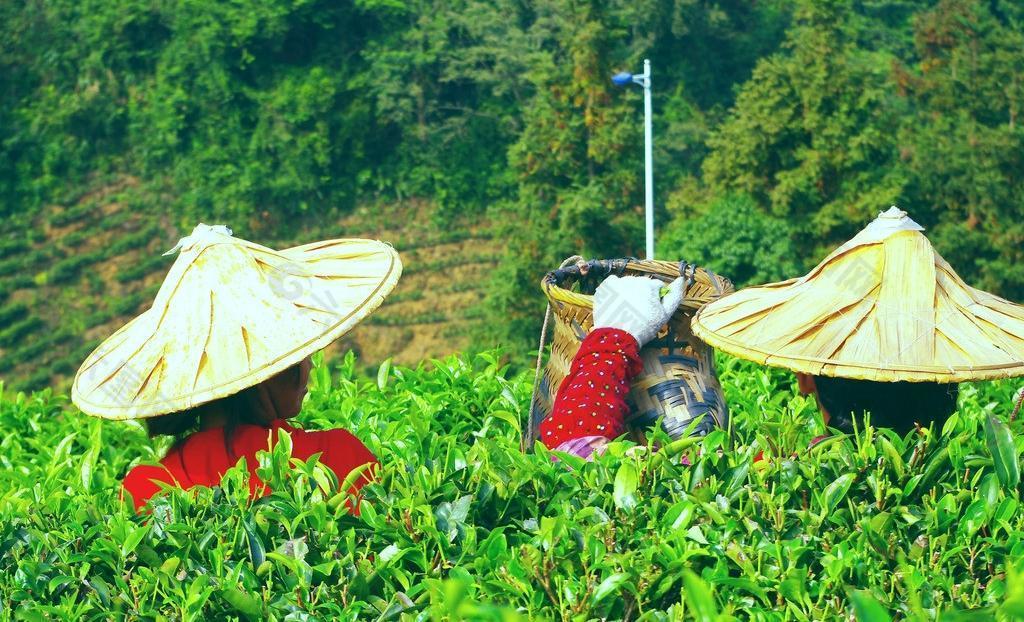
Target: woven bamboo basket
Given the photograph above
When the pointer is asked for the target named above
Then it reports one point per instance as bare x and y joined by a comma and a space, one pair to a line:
678, 383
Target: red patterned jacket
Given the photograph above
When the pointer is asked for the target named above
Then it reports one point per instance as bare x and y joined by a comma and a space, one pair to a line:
590, 407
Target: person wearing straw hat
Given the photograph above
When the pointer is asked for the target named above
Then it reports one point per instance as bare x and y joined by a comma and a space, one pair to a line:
222, 357
883, 325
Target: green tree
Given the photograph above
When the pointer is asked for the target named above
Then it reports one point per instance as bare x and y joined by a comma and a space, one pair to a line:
735, 239
446, 80
963, 146
577, 160
811, 136
710, 46
250, 107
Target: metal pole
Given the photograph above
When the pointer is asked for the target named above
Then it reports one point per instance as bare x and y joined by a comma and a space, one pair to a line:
648, 159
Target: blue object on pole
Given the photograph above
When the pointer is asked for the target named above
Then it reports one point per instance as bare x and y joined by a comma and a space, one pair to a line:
623, 79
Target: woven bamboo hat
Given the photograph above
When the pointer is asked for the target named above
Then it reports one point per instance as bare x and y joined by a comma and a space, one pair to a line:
229, 315
884, 306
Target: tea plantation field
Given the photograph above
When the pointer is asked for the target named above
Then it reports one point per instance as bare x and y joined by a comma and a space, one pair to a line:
461, 525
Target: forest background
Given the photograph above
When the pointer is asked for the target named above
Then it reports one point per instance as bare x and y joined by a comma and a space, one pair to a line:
490, 132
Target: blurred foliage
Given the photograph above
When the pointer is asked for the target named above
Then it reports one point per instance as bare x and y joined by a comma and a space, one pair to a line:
462, 525
732, 237
830, 129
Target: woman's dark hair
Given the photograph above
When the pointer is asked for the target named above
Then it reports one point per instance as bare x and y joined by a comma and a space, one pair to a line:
896, 405
238, 408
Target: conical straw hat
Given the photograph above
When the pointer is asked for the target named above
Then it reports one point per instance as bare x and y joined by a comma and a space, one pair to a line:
884, 306
229, 315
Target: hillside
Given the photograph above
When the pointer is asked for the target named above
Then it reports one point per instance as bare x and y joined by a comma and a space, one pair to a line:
780, 129
73, 273
436, 305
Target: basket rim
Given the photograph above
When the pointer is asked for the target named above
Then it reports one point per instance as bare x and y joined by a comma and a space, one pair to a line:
662, 270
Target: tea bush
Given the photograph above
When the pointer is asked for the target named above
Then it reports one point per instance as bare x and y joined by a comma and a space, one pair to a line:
407, 319
18, 281
130, 302
75, 239
135, 271
454, 261
460, 524
97, 318
10, 247
32, 348
12, 312
40, 378
135, 240
30, 260
114, 220
10, 334
68, 269
73, 214
10, 266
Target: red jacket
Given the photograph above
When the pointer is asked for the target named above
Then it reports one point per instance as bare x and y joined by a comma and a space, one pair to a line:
202, 458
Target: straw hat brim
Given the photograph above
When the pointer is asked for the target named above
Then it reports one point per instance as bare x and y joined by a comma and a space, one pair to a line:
883, 307
229, 315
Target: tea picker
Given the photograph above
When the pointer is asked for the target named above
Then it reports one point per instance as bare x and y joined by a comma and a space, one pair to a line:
882, 325
221, 359
622, 353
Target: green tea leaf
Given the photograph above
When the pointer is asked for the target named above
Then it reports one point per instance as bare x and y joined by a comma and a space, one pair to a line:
170, 565
609, 586
1004, 452
382, 374
246, 604
91, 455
867, 609
626, 481
699, 600
974, 517
836, 491
133, 539
257, 552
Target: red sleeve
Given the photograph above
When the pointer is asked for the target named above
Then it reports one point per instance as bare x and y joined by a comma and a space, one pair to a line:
340, 451
591, 401
143, 481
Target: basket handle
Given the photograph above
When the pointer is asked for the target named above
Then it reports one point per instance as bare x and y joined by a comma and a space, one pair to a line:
576, 269
688, 271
